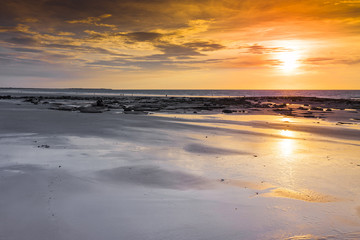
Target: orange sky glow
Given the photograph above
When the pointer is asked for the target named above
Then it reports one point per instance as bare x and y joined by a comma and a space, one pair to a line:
205, 44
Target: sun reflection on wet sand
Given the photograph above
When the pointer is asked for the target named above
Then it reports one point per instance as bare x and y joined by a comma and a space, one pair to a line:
286, 146
286, 133
285, 119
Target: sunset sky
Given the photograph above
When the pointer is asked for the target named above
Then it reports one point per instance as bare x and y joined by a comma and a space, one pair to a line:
189, 44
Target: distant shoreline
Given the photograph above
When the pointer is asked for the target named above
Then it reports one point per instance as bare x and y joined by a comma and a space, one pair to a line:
332, 94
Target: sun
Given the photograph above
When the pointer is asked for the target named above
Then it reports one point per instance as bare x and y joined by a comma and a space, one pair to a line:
289, 54
289, 60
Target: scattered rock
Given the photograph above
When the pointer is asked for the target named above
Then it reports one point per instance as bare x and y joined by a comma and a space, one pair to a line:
228, 105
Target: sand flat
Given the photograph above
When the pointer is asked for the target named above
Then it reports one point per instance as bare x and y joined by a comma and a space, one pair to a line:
124, 176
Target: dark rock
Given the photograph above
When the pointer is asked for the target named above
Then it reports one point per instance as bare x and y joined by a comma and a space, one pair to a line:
5, 97
92, 109
279, 105
146, 109
134, 112
227, 111
342, 123
44, 146
100, 103
32, 100
64, 108
316, 108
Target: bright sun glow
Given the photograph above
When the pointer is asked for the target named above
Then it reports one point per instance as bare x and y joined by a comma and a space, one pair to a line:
289, 60
290, 54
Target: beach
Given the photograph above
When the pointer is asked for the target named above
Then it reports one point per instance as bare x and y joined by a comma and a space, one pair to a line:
91, 167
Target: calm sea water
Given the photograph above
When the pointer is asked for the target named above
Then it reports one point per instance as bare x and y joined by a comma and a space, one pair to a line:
347, 94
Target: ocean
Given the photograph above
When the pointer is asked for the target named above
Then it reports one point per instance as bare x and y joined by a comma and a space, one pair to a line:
344, 94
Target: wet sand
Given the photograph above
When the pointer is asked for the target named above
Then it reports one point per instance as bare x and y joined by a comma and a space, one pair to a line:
165, 174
